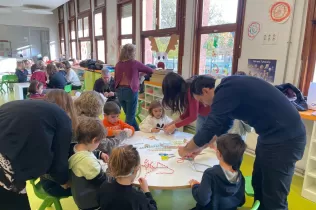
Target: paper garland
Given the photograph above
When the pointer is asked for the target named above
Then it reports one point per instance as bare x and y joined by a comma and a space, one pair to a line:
253, 30
280, 12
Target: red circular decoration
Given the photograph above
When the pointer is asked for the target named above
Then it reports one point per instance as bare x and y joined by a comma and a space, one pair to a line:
280, 12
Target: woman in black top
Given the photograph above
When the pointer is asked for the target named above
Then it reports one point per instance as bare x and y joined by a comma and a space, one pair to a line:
34, 139
56, 78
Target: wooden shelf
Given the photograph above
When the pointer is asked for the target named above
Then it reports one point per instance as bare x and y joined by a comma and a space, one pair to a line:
310, 192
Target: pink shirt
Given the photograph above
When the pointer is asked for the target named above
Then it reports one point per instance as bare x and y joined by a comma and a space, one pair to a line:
191, 113
131, 69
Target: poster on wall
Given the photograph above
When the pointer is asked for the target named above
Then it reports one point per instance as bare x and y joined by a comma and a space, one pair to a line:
253, 30
280, 12
262, 68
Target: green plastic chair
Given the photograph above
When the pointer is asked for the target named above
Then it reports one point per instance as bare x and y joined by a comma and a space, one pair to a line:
256, 205
10, 78
139, 110
1, 86
68, 88
48, 200
248, 186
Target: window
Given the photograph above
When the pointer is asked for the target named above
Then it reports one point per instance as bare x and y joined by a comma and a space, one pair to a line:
85, 50
84, 27
100, 32
84, 36
83, 5
218, 36
61, 13
99, 3
126, 21
72, 36
71, 9
161, 20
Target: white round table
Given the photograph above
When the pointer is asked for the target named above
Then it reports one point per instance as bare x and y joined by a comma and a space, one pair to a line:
180, 173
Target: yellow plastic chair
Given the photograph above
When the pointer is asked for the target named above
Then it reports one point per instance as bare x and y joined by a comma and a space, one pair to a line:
48, 200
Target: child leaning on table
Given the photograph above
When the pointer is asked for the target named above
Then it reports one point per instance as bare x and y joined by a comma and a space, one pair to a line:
156, 120
112, 121
86, 174
124, 164
222, 186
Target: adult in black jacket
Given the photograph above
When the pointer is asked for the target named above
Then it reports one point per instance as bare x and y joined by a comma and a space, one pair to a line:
56, 79
34, 140
282, 135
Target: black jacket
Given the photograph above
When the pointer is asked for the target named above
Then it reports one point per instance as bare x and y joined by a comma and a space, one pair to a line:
57, 81
101, 87
22, 75
35, 137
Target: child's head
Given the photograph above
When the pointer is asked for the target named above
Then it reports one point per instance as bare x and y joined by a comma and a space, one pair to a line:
60, 66
124, 162
51, 69
35, 67
36, 87
90, 132
111, 111
67, 65
27, 64
230, 149
156, 110
20, 65
64, 101
89, 104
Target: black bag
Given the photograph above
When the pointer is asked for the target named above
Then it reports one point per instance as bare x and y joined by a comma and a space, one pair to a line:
294, 95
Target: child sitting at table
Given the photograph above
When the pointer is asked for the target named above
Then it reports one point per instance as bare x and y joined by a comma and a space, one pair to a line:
156, 119
38, 74
112, 122
36, 90
20, 72
86, 174
222, 186
124, 164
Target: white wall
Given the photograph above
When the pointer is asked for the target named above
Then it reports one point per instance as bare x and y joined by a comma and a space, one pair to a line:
25, 19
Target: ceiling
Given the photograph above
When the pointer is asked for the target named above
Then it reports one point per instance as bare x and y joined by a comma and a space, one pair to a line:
30, 6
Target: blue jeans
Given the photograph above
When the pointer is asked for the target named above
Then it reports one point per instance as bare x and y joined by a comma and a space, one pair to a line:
199, 123
128, 100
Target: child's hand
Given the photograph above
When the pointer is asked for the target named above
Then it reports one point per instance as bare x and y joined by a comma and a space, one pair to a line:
143, 184
193, 182
170, 129
110, 94
155, 130
104, 157
106, 94
117, 132
66, 186
129, 132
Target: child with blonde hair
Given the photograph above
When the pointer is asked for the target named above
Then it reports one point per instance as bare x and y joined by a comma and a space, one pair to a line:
124, 165
156, 120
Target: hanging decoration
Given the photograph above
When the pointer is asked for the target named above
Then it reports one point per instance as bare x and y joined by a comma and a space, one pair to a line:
280, 12
253, 30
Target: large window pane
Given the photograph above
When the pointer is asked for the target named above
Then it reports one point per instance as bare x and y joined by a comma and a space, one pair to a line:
126, 41
216, 53
98, 24
99, 3
101, 50
85, 50
62, 47
171, 62
74, 50
84, 5
86, 27
80, 31
168, 13
219, 12
72, 30
126, 19
61, 13
61, 30
149, 15
71, 8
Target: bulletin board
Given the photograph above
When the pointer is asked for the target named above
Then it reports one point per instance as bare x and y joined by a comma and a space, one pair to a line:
5, 48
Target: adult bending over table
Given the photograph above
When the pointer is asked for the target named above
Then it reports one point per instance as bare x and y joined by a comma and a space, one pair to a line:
282, 135
178, 98
34, 140
127, 72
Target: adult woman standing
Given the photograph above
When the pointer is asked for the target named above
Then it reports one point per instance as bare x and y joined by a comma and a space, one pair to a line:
34, 139
127, 72
177, 97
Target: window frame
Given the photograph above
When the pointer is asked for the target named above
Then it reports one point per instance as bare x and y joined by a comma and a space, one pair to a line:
120, 4
85, 11
68, 6
103, 37
230, 27
101, 6
88, 38
179, 29
70, 38
60, 34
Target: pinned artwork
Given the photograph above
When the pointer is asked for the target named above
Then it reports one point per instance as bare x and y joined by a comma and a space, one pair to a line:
253, 30
162, 57
280, 12
151, 166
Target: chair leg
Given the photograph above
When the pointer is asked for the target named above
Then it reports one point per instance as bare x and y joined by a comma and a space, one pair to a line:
57, 204
46, 203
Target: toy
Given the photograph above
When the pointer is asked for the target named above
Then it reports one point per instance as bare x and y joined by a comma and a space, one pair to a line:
151, 166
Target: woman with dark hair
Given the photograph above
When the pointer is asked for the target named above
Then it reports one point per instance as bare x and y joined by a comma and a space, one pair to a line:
127, 72
178, 98
34, 139
56, 79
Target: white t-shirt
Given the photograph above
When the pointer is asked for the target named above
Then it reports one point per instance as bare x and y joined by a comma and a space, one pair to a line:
151, 122
73, 78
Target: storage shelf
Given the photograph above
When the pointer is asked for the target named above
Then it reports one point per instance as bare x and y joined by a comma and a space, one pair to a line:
158, 96
312, 173
141, 99
145, 108
313, 158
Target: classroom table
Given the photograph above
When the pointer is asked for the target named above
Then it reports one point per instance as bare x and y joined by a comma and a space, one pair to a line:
18, 90
180, 172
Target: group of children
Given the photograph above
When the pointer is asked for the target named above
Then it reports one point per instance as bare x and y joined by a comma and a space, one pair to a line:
93, 187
